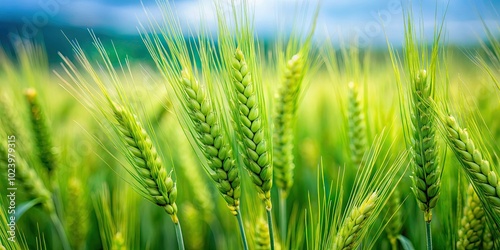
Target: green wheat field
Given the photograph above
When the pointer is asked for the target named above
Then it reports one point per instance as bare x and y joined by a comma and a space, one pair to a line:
219, 140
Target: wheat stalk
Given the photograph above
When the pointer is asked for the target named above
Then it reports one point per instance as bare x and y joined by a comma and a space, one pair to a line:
472, 224
41, 132
253, 137
348, 236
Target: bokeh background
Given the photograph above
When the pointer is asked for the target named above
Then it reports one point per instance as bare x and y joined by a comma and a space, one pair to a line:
369, 23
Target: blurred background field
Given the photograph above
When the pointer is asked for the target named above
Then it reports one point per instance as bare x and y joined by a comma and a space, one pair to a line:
93, 199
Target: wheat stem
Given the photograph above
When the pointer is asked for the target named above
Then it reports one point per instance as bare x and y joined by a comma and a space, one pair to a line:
428, 234
283, 222
60, 231
270, 225
242, 230
178, 233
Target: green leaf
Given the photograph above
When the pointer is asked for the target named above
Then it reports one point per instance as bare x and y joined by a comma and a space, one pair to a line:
405, 243
25, 206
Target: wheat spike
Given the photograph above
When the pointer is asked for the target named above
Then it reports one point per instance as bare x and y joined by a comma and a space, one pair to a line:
262, 240
76, 214
487, 239
118, 242
286, 109
212, 141
254, 141
357, 132
193, 175
393, 228
348, 236
477, 169
29, 179
426, 176
472, 224
41, 132
150, 171
10, 121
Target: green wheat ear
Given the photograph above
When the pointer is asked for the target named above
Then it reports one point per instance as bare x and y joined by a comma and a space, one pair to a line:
348, 236
254, 141
426, 176
488, 241
43, 139
77, 213
28, 178
394, 226
477, 169
357, 131
118, 242
286, 109
212, 140
262, 240
472, 224
149, 170
192, 174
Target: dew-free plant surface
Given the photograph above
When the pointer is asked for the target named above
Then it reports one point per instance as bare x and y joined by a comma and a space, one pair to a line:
289, 140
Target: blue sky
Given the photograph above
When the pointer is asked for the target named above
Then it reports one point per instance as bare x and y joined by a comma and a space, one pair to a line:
358, 19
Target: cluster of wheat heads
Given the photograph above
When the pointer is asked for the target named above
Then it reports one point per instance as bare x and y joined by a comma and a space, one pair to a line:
258, 137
